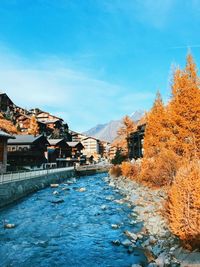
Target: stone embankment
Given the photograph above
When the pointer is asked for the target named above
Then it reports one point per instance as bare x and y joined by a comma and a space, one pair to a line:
162, 248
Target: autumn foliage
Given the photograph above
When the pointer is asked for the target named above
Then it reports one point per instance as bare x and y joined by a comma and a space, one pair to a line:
129, 170
159, 170
172, 151
7, 126
128, 126
184, 205
33, 128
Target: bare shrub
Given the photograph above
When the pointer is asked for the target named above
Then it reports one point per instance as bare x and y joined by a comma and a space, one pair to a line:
115, 171
183, 205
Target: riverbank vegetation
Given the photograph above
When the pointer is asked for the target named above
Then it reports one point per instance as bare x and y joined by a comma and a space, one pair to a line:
171, 153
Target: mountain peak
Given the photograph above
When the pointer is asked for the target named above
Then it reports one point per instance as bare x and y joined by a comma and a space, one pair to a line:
108, 131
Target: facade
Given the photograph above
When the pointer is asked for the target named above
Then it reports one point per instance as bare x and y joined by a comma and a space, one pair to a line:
112, 152
77, 137
135, 142
91, 146
104, 148
27, 152
57, 149
73, 155
3, 150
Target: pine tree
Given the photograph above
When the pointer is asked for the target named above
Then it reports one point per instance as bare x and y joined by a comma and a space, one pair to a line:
33, 128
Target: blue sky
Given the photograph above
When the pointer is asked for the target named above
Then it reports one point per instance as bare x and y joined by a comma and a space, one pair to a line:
91, 61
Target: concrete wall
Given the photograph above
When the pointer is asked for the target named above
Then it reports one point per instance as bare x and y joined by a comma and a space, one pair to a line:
12, 191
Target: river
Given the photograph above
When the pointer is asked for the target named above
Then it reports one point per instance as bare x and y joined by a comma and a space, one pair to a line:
76, 232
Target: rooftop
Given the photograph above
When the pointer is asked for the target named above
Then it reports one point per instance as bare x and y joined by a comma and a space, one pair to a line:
54, 142
25, 139
5, 135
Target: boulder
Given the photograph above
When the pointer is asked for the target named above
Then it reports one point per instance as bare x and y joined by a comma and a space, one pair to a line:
82, 189
115, 226
9, 225
54, 185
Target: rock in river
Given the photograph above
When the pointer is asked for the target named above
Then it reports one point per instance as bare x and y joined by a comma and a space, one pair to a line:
82, 189
57, 201
54, 185
9, 225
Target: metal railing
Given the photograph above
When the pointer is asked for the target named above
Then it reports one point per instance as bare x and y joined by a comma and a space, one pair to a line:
93, 167
25, 175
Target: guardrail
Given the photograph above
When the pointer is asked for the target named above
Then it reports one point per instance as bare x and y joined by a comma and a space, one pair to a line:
92, 167
25, 175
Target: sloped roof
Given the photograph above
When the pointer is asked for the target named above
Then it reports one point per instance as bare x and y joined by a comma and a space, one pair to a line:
54, 142
90, 137
47, 121
74, 144
24, 139
6, 135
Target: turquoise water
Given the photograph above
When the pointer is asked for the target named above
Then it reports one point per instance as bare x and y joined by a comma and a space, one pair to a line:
76, 232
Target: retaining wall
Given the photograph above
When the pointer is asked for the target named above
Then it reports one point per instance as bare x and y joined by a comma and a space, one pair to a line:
14, 190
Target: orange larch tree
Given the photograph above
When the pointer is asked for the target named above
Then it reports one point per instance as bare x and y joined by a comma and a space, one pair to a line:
7, 125
128, 126
156, 132
33, 128
184, 111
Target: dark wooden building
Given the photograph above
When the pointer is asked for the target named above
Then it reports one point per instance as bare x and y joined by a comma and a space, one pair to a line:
57, 149
3, 150
27, 152
135, 142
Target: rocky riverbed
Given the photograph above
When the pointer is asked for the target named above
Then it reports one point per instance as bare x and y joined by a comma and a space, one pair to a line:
76, 223
162, 248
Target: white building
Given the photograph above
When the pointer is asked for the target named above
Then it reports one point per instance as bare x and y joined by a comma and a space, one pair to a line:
91, 146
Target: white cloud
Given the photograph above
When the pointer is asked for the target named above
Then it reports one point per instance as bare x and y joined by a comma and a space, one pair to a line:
77, 96
81, 99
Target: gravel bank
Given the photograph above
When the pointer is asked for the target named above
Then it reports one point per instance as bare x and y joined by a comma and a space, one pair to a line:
163, 249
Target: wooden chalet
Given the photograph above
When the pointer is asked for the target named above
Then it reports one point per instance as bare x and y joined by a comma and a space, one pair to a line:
74, 149
57, 149
3, 150
5, 102
27, 152
73, 155
135, 142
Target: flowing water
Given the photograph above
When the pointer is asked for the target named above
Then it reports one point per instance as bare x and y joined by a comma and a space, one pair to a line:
76, 232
